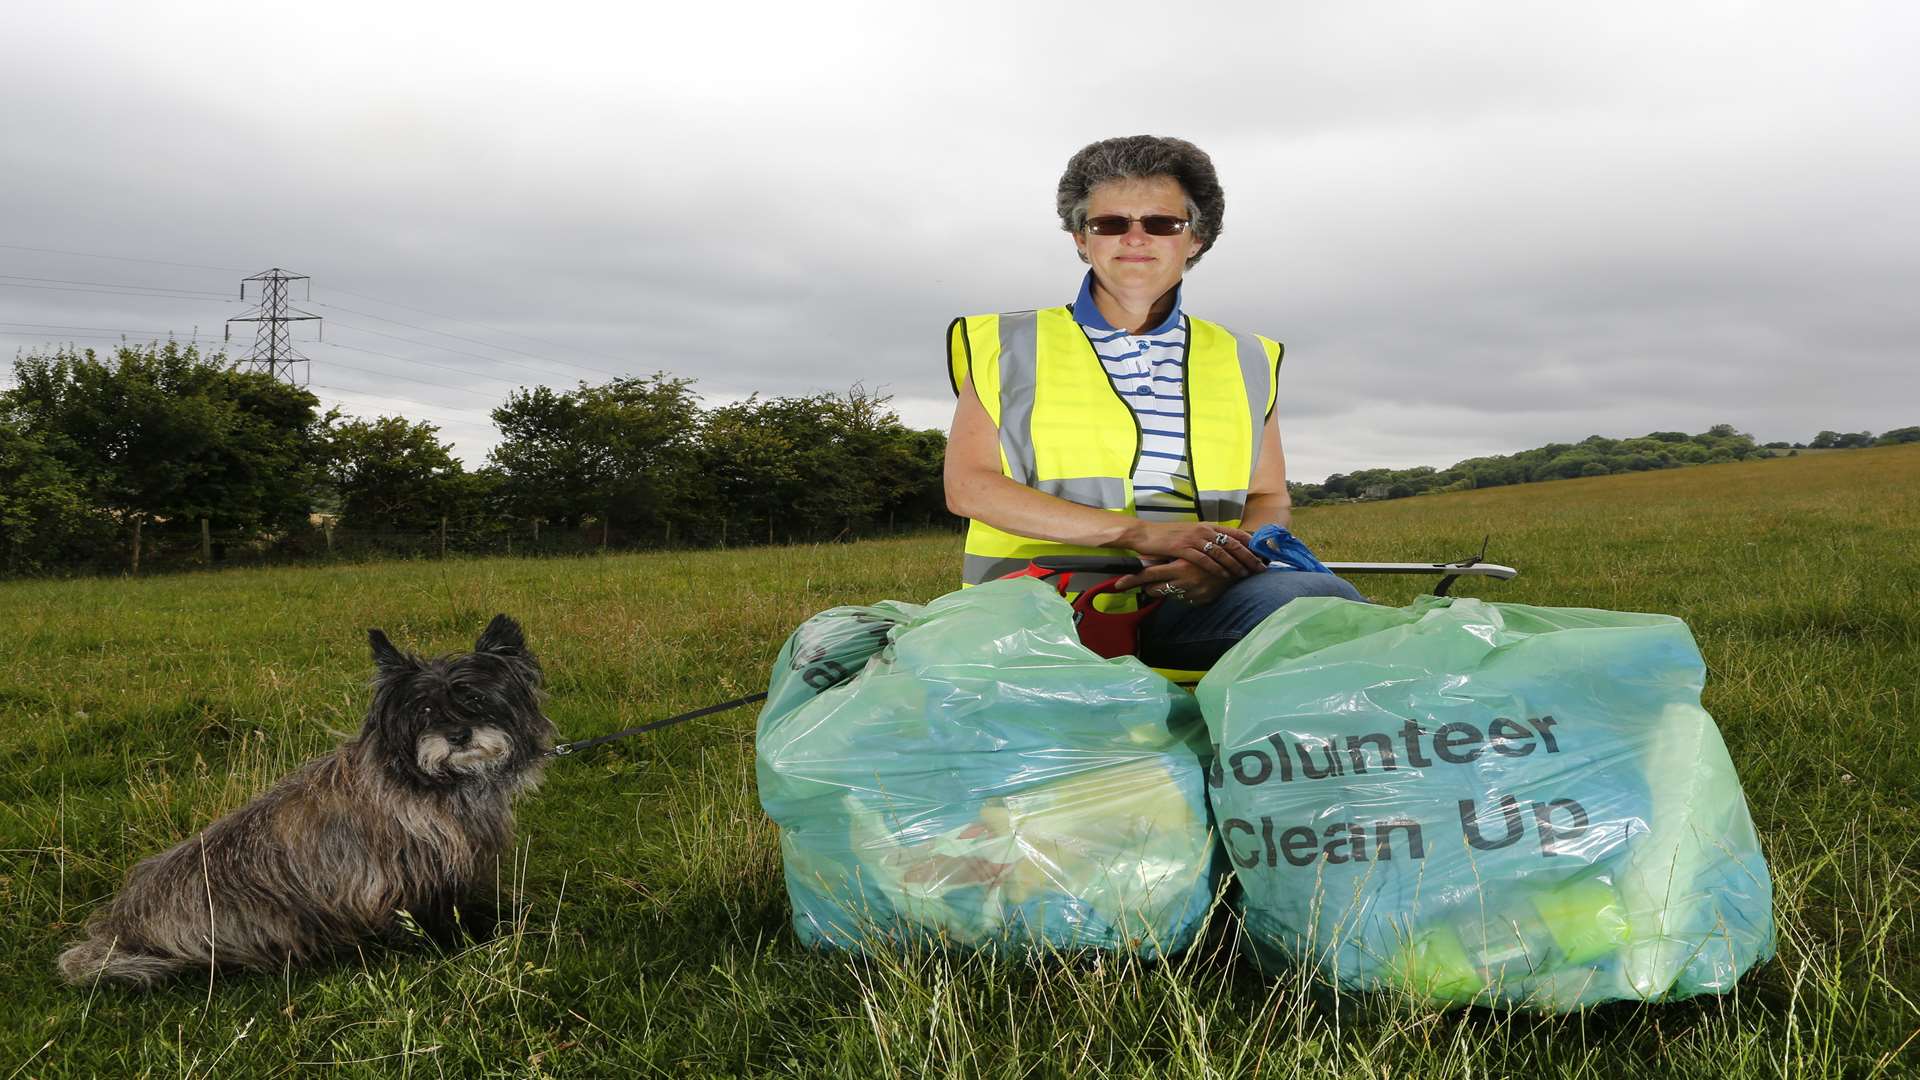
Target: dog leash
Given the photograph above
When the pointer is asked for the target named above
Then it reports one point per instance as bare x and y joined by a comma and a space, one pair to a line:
567, 749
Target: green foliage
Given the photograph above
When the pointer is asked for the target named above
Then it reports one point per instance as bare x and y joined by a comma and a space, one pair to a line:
833, 462
392, 474
623, 448
1596, 455
1898, 436
1842, 440
43, 508
643, 450
160, 434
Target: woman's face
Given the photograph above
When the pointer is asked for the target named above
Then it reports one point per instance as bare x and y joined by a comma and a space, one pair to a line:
1134, 262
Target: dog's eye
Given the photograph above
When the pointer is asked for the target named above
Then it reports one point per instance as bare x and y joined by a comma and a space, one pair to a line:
473, 699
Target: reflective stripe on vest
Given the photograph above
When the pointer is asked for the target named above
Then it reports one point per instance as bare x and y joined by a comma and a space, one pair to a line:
1066, 431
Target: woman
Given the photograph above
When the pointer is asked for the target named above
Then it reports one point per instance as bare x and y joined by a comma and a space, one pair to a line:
1120, 425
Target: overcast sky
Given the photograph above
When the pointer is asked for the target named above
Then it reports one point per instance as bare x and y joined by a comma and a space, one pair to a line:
1477, 227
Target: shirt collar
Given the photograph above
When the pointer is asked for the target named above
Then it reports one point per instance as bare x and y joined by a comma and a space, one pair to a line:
1087, 313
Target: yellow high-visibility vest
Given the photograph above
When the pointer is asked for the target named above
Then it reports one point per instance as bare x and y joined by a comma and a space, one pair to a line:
1066, 431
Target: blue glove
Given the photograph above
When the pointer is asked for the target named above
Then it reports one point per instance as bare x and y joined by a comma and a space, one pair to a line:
1275, 544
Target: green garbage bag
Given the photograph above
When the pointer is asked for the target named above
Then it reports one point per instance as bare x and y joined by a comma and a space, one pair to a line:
1484, 803
983, 779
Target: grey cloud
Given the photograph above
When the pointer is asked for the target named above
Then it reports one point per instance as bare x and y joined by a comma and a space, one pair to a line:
1477, 228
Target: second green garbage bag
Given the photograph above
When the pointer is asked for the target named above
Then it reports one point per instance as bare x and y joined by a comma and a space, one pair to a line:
968, 773
1484, 803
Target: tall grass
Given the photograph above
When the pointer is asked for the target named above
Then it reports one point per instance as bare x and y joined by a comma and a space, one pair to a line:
647, 918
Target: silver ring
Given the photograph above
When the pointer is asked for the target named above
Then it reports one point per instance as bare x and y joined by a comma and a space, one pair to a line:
1220, 538
1173, 592
1209, 546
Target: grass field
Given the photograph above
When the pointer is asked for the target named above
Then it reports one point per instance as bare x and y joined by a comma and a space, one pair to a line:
650, 927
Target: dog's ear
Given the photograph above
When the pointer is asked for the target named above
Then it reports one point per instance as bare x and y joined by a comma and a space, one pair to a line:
384, 654
502, 635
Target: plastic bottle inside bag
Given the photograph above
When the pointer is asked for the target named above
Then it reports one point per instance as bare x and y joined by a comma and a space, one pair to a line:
1529, 932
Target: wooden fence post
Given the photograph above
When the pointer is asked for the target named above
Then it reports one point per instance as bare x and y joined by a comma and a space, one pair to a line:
206, 543
723, 532
137, 522
443, 536
606, 529
669, 533
326, 526
536, 534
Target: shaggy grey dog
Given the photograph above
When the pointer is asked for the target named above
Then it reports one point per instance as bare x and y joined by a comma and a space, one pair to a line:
405, 817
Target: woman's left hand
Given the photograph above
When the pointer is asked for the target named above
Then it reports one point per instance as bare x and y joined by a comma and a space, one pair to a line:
1177, 579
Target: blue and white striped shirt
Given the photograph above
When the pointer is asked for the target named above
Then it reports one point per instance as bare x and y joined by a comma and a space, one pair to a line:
1149, 371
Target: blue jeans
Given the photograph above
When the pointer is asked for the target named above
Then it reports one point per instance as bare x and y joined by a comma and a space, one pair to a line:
1192, 636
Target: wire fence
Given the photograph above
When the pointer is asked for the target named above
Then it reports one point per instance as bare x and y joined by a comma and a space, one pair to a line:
180, 547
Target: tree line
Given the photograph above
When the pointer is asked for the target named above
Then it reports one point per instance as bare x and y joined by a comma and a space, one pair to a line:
1595, 455
159, 448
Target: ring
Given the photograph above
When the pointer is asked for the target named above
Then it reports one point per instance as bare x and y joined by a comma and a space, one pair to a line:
1219, 538
1172, 591
1209, 546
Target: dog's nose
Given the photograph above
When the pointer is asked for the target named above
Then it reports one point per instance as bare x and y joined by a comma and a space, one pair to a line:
461, 737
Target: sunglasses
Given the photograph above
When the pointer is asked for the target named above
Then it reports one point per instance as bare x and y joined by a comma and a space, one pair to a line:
1154, 224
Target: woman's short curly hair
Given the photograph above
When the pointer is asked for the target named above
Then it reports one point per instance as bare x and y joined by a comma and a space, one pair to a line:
1140, 157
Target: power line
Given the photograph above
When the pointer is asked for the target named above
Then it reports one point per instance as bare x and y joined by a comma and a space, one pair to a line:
402, 359
466, 419
483, 326
429, 345
458, 337
116, 333
278, 352
403, 378
122, 337
116, 285
626, 363
149, 294
103, 329
121, 258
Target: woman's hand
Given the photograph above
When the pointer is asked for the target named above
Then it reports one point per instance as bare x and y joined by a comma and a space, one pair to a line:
1208, 547
1178, 579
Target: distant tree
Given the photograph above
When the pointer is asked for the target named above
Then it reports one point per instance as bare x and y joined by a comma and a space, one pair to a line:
624, 447
921, 495
552, 469
1853, 440
747, 468
391, 474
1826, 440
1569, 464
1898, 436
44, 516
159, 434
838, 455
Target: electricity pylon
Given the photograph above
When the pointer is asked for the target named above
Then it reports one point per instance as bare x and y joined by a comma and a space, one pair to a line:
272, 345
